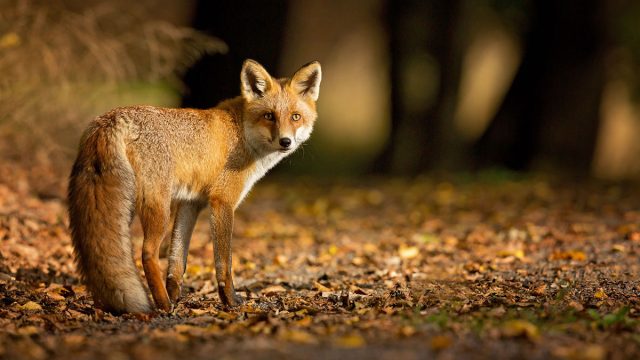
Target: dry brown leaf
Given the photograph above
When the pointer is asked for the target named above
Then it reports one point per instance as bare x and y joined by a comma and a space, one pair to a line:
569, 255
440, 342
273, 289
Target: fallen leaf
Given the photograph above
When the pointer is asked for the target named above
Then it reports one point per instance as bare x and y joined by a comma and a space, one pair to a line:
600, 294
198, 312
408, 252
569, 255
273, 289
226, 316
440, 342
30, 306
182, 328
350, 341
305, 321
280, 260
619, 248
583, 352
576, 306
319, 287
513, 328
407, 331
28, 330
298, 336
540, 290
74, 340
517, 253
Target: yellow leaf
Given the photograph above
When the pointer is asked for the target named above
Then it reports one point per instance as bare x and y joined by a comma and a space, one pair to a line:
280, 260
9, 40
350, 341
31, 306
440, 342
195, 270
407, 331
408, 252
513, 328
370, 248
305, 321
600, 294
320, 287
517, 253
298, 336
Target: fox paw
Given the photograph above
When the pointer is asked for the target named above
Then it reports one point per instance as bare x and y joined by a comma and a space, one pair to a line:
174, 288
230, 297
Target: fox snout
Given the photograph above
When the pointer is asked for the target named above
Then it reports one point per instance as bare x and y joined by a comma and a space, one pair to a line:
285, 142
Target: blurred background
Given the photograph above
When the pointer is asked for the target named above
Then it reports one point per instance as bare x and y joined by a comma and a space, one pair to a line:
409, 86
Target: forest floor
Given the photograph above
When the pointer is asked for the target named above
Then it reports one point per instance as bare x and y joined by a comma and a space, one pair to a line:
469, 267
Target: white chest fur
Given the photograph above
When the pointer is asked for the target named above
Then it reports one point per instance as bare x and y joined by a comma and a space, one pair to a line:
262, 165
184, 193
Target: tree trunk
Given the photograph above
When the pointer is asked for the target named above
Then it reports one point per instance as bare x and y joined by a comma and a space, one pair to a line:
425, 49
549, 118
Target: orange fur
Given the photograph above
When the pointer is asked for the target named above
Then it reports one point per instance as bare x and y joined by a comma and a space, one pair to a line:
169, 164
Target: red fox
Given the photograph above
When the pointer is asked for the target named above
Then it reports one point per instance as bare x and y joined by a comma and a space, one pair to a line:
171, 163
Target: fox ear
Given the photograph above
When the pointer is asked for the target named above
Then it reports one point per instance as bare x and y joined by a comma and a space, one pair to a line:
306, 81
254, 80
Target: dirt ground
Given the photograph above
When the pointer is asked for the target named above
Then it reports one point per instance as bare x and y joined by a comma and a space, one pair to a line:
471, 267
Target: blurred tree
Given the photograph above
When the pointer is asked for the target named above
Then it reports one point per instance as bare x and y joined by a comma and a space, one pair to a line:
251, 28
426, 51
549, 118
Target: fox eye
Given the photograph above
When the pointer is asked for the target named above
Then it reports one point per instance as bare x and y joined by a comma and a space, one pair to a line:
295, 117
268, 116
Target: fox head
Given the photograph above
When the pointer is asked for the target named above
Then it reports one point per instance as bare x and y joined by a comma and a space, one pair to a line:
279, 114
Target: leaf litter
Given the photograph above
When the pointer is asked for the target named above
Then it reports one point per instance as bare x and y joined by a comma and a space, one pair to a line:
523, 268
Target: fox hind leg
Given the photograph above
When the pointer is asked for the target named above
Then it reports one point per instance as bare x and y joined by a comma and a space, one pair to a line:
154, 217
185, 220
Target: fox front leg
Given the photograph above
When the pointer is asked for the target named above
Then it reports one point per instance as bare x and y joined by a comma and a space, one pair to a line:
221, 229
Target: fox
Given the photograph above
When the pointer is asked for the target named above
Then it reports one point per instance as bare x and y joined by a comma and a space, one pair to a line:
171, 163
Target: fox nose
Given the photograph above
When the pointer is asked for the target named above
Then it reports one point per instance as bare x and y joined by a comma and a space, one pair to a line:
285, 142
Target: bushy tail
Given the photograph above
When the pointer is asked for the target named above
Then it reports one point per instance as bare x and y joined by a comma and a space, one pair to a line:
101, 207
